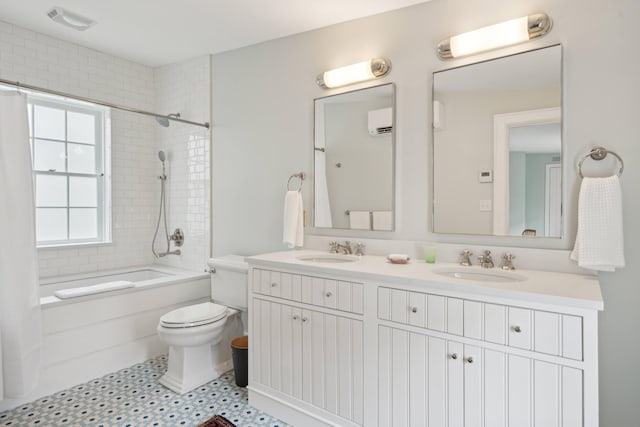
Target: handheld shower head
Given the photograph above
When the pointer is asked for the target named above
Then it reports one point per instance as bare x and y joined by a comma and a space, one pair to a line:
161, 156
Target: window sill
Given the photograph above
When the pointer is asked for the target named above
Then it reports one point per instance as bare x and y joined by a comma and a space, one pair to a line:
73, 245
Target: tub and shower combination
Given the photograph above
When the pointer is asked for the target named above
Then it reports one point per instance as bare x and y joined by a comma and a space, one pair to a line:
88, 336
100, 322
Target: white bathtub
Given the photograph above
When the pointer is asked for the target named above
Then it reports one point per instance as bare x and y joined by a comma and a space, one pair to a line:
144, 278
89, 336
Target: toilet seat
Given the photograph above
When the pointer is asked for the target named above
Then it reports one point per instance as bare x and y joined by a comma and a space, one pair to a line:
194, 315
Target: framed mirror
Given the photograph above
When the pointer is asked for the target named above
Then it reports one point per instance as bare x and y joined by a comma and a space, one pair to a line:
354, 150
497, 146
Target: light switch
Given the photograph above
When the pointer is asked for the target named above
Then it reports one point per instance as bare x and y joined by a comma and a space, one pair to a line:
485, 205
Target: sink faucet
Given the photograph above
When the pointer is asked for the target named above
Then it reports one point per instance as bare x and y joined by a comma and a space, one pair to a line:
485, 260
346, 248
335, 248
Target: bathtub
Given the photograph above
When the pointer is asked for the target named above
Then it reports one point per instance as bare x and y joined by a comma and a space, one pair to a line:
89, 336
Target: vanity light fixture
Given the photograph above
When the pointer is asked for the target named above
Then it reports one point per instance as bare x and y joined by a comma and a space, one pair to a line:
495, 36
354, 73
70, 19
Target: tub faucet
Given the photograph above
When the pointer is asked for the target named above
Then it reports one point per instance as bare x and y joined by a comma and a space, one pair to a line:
485, 260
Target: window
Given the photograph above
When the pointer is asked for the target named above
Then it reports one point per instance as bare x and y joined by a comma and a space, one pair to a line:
68, 147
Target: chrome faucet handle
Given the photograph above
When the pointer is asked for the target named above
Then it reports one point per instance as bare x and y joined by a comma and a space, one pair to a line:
333, 247
360, 249
508, 264
465, 258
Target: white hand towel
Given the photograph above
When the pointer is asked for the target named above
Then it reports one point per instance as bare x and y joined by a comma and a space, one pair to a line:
599, 241
360, 220
293, 234
382, 220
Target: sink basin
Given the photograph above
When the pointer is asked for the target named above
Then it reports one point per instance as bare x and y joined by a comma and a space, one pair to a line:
480, 275
329, 258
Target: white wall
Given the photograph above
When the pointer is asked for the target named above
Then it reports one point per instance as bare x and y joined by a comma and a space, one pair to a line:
40, 60
185, 88
263, 128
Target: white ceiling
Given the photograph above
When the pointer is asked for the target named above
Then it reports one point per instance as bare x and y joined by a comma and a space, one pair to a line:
158, 32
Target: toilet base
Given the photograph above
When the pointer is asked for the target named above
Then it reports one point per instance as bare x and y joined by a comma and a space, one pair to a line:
190, 367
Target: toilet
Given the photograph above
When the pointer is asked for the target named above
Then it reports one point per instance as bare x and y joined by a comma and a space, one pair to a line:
199, 335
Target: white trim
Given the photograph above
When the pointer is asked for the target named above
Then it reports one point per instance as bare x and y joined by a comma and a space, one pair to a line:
502, 123
102, 172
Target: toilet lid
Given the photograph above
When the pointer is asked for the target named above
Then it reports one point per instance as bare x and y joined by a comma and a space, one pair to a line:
194, 315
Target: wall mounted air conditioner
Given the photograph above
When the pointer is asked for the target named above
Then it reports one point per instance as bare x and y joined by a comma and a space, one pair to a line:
380, 121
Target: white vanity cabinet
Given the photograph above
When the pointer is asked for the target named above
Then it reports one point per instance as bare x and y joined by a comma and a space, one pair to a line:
306, 344
370, 344
448, 361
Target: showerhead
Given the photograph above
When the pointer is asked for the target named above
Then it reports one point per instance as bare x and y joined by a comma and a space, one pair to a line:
161, 156
164, 120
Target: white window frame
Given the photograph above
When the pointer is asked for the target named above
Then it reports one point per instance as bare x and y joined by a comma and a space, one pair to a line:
102, 173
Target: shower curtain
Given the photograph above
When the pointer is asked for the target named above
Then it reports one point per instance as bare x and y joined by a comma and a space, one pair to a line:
20, 319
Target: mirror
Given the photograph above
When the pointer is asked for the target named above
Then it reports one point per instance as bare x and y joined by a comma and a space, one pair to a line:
497, 146
354, 148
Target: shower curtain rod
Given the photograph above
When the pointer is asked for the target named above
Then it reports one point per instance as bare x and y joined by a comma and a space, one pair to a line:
103, 103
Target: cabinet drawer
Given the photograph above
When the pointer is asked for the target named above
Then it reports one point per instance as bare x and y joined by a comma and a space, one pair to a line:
335, 294
519, 332
535, 330
572, 337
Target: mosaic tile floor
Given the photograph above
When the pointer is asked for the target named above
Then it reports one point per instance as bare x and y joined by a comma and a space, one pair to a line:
133, 397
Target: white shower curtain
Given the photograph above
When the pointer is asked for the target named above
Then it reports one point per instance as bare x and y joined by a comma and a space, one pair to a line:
322, 203
20, 319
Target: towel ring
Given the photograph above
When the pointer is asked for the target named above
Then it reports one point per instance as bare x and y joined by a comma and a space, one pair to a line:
301, 176
599, 153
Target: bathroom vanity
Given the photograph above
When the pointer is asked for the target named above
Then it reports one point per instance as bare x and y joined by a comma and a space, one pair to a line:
367, 342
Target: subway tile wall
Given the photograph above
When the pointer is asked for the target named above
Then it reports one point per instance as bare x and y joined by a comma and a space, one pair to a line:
185, 88
41, 60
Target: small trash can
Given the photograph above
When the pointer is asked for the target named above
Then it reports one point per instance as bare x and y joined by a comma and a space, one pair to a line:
240, 355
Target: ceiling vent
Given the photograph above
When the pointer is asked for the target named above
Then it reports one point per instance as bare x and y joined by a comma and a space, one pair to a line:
381, 121
70, 19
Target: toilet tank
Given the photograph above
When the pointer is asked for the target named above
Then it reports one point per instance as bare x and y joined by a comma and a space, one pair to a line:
229, 281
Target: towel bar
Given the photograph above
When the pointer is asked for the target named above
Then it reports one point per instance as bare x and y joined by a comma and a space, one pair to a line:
599, 153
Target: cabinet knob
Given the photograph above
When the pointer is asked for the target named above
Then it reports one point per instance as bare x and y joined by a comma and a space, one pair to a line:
274, 284
304, 319
469, 359
328, 294
414, 309
517, 329
295, 317
454, 356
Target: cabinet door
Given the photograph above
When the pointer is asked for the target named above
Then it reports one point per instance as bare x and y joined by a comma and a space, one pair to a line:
473, 401
455, 384
519, 398
332, 364
494, 390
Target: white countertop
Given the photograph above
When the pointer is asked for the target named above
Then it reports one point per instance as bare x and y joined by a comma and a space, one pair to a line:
574, 290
